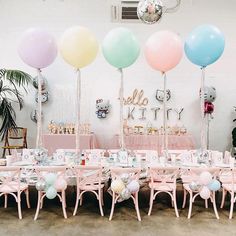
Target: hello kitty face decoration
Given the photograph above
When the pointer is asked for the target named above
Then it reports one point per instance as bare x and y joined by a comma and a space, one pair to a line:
160, 95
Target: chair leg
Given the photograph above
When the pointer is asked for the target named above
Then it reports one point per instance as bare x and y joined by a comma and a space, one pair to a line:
81, 200
27, 197
112, 206
184, 198
5, 200
41, 204
214, 206
190, 205
151, 201
231, 206
76, 203
19, 206
137, 206
3, 153
102, 197
38, 205
206, 203
223, 198
100, 201
175, 204
63, 196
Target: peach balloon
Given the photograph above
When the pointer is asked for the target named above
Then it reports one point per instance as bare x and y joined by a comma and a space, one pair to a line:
163, 50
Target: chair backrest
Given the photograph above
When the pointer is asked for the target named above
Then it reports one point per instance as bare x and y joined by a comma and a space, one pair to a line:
94, 155
41, 171
95, 151
228, 176
17, 133
116, 172
9, 179
88, 176
216, 157
192, 173
112, 151
164, 175
227, 157
148, 155
28, 154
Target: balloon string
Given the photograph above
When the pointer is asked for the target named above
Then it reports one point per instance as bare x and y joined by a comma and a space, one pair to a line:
208, 131
165, 137
122, 146
77, 109
202, 103
39, 142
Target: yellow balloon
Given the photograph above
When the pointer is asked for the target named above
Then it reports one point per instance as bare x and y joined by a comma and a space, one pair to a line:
78, 46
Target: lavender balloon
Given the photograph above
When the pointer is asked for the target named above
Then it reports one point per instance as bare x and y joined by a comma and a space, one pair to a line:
37, 48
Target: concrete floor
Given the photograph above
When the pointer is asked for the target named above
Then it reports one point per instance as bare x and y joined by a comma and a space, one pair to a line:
89, 222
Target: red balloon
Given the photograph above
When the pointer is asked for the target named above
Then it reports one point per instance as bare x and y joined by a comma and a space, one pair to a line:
208, 107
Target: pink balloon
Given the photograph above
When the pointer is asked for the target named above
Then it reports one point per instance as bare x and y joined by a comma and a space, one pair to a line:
205, 193
60, 184
205, 178
163, 50
37, 48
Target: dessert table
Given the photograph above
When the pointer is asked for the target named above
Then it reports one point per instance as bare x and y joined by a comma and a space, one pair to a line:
67, 141
154, 142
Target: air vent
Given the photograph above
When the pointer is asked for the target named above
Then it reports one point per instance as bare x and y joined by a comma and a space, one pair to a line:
126, 11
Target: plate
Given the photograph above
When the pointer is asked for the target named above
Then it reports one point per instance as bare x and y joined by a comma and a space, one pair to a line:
22, 163
222, 165
57, 163
190, 164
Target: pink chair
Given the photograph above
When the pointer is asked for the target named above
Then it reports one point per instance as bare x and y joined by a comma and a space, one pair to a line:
89, 179
10, 184
163, 180
134, 173
189, 175
41, 171
228, 180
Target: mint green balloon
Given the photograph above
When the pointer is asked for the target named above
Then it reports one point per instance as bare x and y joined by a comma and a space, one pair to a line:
120, 47
51, 193
50, 179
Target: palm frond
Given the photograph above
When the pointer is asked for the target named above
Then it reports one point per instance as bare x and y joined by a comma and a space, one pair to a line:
8, 116
17, 77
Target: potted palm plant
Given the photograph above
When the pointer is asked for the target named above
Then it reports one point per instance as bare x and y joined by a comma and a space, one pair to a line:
10, 82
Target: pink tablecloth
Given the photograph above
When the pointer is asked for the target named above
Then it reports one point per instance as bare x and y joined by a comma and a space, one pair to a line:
67, 141
154, 142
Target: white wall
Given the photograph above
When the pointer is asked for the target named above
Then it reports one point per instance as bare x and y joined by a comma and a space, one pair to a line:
100, 80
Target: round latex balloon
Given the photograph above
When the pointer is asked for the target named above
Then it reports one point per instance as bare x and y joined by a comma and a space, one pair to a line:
204, 45
163, 50
205, 193
37, 48
120, 47
51, 193
50, 178
205, 178
78, 46
214, 185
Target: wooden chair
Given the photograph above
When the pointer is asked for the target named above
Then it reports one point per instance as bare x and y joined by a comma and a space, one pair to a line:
18, 133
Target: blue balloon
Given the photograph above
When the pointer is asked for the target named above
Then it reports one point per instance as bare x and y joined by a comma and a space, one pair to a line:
214, 185
204, 45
